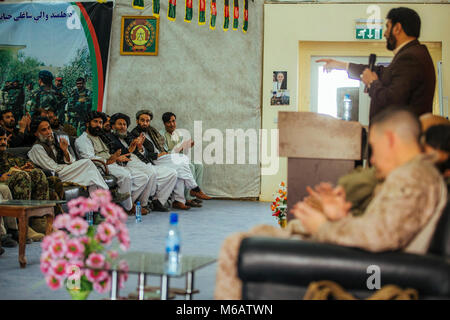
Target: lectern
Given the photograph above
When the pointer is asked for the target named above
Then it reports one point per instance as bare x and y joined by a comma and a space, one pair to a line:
319, 148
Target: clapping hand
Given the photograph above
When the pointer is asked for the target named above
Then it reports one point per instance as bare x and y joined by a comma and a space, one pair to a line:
63, 144
133, 145
331, 200
310, 218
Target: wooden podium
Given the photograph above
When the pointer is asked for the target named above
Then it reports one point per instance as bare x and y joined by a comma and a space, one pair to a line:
319, 148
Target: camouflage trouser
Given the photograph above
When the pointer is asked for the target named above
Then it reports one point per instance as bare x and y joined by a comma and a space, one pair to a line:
32, 185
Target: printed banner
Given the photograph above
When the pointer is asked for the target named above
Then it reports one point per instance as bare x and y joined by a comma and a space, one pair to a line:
226, 15
65, 45
155, 5
201, 12
172, 10
235, 14
245, 27
188, 14
212, 20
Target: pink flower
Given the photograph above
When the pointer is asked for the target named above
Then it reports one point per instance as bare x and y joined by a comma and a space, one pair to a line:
53, 282
59, 235
101, 196
74, 271
58, 268
105, 232
58, 249
77, 207
103, 286
78, 226
96, 275
45, 267
84, 240
113, 254
62, 221
124, 238
46, 242
75, 248
91, 205
95, 260
109, 211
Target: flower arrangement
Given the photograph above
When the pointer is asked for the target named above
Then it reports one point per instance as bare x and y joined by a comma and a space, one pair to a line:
77, 254
279, 205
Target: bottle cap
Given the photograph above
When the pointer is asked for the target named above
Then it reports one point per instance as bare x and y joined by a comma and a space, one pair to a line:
173, 218
138, 203
347, 96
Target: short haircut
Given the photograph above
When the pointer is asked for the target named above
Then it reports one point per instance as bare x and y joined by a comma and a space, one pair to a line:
3, 112
438, 137
2, 132
166, 116
95, 114
400, 120
80, 79
408, 18
36, 121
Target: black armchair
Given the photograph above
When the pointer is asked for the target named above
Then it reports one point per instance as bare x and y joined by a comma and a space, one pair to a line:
282, 269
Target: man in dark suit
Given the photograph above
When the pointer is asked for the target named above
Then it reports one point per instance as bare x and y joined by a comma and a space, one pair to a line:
410, 79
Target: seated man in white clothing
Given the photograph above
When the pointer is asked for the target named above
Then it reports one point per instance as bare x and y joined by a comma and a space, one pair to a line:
157, 154
130, 180
164, 178
174, 143
48, 154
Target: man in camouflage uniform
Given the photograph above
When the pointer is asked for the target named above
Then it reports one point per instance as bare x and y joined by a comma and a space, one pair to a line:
16, 98
27, 182
45, 96
62, 95
80, 103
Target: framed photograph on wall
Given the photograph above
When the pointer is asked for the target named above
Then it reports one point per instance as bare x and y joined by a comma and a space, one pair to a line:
139, 35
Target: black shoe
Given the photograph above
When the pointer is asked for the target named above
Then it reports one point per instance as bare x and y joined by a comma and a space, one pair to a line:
8, 242
15, 236
157, 206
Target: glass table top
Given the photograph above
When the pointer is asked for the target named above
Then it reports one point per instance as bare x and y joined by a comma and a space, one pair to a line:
153, 263
29, 202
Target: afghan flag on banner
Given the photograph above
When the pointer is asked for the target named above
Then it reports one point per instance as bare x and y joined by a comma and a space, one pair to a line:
155, 5
245, 27
201, 12
188, 14
226, 15
138, 4
235, 14
172, 10
212, 20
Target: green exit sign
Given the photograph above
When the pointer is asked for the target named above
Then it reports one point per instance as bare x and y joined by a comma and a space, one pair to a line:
369, 34
369, 29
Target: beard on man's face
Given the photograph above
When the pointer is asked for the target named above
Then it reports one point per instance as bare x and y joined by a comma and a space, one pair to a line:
95, 131
391, 41
10, 124
47, 140
120, 134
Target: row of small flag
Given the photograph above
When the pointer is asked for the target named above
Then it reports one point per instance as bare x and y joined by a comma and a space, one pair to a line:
171, 12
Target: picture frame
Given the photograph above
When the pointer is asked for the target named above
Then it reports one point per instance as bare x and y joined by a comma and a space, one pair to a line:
139, 35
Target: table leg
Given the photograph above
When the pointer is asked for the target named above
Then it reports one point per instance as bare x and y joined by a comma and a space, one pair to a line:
189, 285
164, 287
49, 228
114, 285
23, 227
142, 282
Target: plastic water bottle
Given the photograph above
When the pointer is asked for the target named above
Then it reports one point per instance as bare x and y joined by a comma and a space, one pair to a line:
90, 218
138, 212
347, 110
173, 242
